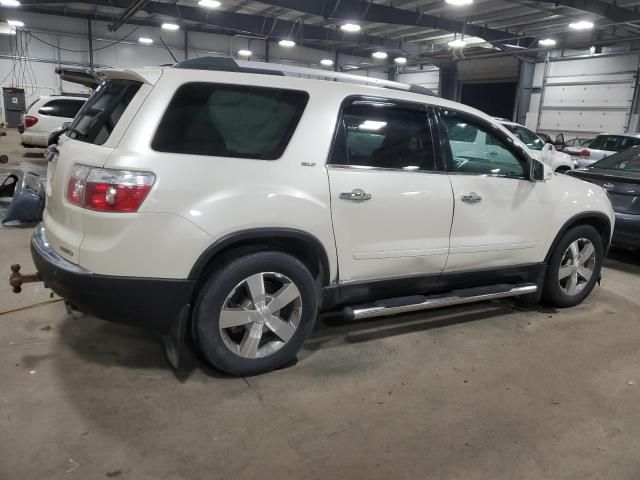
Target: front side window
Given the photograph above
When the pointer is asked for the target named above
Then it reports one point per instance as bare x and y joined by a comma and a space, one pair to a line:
487, 154
230, 121
384, 135
100, 114
61, 108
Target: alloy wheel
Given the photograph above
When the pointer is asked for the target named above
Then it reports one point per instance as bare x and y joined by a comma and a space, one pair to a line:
577, 266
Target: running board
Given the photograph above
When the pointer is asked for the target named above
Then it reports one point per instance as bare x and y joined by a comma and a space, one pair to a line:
395, 306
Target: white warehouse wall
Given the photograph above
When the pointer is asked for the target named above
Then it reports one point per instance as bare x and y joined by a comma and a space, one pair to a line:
67, 44
429, 78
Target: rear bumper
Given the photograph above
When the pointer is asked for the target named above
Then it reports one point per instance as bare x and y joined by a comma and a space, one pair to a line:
145, 302
627, 230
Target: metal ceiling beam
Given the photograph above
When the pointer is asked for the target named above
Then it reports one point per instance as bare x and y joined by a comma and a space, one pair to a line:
260, 25
601, 8
372, 12
127, 14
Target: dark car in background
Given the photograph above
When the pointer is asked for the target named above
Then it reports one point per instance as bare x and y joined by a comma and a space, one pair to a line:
619, 175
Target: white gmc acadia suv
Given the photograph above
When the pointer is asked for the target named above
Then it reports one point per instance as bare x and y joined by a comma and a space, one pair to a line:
232, 202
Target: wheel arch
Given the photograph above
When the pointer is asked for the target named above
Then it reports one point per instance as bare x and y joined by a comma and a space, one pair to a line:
598, 220
304, 246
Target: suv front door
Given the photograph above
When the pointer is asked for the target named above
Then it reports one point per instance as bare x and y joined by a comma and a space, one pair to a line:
391, 206
500, 214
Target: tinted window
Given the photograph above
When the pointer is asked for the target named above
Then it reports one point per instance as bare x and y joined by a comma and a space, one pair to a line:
61, 108
614, 143
100, 114
529, 138
629, 161
383, 136
230, 121
487, 154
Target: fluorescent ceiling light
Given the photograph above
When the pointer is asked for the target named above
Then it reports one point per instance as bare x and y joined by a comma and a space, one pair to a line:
457, 43
245, 53
511, 45
209, 3
326, 62
581, 25
170, 26
145, 40
287, 43
459, 3
10, 3
350, 27
547, 42
400, 60
372, 125
379, 55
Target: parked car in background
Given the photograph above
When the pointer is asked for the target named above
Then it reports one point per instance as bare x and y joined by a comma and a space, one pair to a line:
544, 137
540, 148
162, 211
578, 142
602, 146
619, 175
46, 115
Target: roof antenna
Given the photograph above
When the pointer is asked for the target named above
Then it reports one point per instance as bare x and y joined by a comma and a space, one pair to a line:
168, 50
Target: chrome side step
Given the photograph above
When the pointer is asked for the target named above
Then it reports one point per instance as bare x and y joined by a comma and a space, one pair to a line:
395, 306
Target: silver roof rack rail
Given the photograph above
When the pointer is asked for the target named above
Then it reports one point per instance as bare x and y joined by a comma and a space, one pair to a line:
231, 65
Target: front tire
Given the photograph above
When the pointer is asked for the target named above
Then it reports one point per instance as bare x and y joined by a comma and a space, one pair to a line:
574, 267
255, 313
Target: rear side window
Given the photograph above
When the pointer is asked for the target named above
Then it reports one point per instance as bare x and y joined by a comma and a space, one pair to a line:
61, 108
615, 143
230, 121
100, 114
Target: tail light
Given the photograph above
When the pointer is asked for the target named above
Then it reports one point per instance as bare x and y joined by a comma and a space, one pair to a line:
30, 121
585, 153
108, 190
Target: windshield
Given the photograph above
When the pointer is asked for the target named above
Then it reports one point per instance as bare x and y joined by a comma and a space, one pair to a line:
613, 143
529, 138
629, 161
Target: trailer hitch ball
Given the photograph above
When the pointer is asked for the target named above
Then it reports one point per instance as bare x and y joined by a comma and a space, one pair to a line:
16, 279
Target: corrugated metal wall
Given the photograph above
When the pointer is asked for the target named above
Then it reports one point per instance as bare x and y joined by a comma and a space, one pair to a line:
585, 95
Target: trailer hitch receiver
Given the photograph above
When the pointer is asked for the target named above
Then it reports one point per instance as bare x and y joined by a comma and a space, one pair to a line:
16, 279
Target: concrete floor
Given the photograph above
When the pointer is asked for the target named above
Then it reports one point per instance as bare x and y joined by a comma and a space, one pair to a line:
487, 391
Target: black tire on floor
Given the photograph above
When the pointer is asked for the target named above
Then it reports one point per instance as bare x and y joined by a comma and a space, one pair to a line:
553, 294
212, 297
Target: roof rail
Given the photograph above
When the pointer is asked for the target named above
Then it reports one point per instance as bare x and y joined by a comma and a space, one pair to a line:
227, 64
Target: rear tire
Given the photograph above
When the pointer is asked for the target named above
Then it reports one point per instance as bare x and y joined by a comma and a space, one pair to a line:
574, 267
562, 170
254, 314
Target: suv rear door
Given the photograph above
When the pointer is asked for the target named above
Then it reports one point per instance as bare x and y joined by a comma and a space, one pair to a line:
391, 206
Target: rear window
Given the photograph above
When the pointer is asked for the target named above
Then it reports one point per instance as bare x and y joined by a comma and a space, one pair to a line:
613, 143
61, 108
101, 113
629, 161
230, 121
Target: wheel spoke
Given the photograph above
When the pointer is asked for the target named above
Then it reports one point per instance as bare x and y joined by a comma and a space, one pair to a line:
572, 284
585, 273
586, 253
282, 329
575, 251
256, 289
565, 271
283, 297
251, 341
235, 317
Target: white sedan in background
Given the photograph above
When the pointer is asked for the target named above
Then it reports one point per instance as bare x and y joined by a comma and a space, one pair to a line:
46, 115
602, 146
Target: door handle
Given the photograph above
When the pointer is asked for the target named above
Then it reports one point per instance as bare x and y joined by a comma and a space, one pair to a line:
356, 195
493, 153
472, 197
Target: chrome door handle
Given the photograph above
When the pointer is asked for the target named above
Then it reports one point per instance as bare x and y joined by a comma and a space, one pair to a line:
356, 195
472, 197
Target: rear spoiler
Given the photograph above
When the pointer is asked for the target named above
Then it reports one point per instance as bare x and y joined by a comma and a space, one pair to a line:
83, 77
91, 79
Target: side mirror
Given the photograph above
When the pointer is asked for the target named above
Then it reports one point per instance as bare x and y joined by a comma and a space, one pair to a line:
540, 171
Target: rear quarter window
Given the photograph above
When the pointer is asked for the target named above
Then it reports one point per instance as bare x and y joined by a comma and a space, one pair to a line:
230, 121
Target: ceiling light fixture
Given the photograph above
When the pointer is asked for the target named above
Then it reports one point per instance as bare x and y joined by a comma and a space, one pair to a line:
379, 55
326, 62
170, 26
10, 3
287, 43
15, 23
547, 42
581, 25
459, 3
400, 60
350, 27
145, 40
457, 43
245, 53
209, 3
